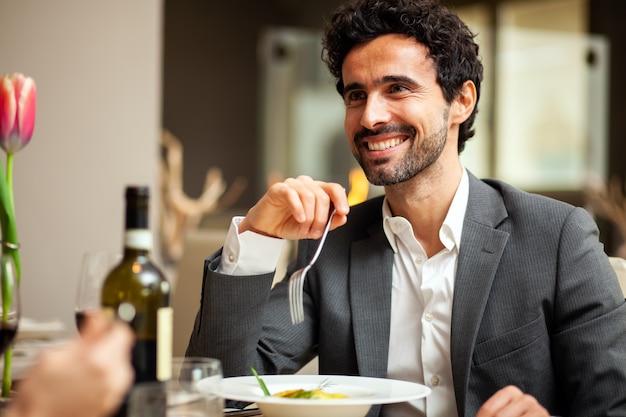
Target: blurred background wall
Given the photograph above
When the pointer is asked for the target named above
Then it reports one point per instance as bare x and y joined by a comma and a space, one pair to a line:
97, 65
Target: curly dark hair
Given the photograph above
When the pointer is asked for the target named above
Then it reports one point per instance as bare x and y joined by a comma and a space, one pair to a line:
449, 41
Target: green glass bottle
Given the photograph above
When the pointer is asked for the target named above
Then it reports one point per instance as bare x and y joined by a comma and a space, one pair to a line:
137, 292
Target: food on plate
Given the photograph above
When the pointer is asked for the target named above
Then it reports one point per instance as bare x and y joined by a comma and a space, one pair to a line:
314, 394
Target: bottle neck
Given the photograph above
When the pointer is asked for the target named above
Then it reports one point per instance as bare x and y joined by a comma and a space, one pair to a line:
138, 240
137, 235
136, 216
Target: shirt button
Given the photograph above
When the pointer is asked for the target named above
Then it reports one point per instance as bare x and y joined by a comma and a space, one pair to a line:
231, 257
434, 381
428, 317
419, 261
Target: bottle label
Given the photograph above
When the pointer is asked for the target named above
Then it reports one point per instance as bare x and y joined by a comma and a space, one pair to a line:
165, 316
138, 239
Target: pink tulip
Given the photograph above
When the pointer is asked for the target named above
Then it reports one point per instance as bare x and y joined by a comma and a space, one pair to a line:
18, 97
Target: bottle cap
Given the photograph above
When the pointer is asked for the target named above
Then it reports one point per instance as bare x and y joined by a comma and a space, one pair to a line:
137, 191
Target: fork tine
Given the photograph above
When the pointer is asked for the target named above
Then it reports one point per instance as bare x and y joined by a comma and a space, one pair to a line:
292, 296
296, 301
290, 288
299, 296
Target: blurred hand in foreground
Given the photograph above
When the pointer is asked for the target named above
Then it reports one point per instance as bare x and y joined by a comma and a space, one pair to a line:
86, 377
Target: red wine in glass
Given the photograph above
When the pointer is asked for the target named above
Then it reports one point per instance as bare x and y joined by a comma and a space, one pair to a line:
81, 317
80, 320
8, 331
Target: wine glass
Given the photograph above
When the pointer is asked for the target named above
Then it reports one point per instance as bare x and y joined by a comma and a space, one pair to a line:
10, 308
94, 268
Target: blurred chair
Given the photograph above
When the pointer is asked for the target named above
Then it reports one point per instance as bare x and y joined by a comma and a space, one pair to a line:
198, 245
311, 368
619, 266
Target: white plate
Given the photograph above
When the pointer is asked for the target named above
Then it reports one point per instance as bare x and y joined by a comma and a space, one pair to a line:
362, 392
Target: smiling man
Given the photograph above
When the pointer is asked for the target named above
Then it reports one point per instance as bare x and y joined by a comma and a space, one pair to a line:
502, 302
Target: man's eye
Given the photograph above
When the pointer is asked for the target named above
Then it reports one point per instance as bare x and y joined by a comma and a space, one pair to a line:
397, 88
354, 96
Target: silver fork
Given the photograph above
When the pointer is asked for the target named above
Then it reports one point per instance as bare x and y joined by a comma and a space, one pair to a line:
296, 280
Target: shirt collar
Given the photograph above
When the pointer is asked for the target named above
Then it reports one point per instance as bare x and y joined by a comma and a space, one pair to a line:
450, 232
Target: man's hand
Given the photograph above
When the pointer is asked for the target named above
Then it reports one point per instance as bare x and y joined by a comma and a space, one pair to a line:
512, 402
297, 208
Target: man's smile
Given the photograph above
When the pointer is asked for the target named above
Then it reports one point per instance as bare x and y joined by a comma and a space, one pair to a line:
384, 144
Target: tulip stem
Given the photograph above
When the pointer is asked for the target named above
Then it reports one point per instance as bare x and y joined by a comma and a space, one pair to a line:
9, 235
6, 377
7, 217
9, 180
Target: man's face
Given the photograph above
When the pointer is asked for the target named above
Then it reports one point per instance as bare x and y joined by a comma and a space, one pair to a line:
396, 116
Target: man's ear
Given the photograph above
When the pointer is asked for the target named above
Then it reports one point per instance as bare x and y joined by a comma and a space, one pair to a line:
464, 103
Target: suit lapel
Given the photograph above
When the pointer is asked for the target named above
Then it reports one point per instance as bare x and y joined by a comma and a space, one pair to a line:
371, 263
481, 248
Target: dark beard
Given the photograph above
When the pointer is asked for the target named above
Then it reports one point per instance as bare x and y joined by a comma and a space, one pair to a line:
412, 164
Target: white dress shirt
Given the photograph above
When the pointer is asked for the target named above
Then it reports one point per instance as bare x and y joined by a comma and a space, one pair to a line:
421, 312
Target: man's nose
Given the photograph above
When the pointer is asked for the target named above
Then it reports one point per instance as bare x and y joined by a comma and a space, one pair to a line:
375, 112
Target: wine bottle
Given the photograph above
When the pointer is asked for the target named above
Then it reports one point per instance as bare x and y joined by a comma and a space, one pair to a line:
137, 292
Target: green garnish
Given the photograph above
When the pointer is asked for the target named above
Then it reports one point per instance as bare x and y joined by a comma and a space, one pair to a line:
261, 383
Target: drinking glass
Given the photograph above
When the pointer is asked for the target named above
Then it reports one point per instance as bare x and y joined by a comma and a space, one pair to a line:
93, 270
168, 399
200, 374
189, 371
10, 309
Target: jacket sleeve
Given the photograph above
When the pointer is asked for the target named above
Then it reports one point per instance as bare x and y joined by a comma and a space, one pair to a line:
589, 339
229, 320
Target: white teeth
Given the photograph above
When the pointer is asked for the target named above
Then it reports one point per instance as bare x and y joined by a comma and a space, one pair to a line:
386, 144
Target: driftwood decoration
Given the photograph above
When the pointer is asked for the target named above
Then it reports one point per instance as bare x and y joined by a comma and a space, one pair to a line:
179, 212
609, 202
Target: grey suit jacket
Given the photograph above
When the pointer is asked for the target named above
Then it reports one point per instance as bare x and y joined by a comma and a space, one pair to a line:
536, 304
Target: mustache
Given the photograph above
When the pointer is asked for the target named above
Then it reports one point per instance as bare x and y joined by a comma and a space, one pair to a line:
391, 128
